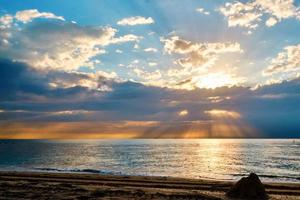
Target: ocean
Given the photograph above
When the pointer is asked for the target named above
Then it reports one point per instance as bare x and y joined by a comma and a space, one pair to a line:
274, 160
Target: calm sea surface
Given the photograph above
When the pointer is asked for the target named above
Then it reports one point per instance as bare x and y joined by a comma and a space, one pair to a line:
227, 159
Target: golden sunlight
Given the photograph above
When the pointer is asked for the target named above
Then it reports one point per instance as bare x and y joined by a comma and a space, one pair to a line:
214, 80
223, 113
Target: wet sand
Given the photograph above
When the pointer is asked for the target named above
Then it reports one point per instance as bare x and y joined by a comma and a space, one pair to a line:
36, 185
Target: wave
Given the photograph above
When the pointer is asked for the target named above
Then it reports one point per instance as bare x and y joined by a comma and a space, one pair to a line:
91, 171
269, 176
107, 172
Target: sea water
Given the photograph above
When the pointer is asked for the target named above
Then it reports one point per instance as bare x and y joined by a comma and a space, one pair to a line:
275, 160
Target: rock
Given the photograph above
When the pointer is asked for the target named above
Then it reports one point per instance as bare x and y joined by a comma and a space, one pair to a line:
248, 188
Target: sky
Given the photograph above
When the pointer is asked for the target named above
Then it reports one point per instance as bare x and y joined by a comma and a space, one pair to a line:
149, 69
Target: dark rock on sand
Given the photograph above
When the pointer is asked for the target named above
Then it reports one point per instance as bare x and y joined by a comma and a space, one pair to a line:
248, 188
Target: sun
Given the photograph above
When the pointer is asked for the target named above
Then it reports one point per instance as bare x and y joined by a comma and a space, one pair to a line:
215, 80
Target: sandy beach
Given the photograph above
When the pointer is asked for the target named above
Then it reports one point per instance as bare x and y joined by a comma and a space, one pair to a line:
36, 185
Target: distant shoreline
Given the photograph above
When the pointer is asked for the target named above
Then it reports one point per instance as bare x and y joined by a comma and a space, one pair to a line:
43, 185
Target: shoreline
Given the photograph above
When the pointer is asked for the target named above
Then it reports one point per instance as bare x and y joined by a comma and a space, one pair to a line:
264, 178
45, 185
109, 173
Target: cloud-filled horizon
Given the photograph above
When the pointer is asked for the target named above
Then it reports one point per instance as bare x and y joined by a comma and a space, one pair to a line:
150, 69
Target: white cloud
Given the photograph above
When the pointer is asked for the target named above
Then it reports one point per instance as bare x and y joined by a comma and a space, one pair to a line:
281, 9
119, 51
26, 16
271, 22
150, 50
58, 46
152, 64
249, 14
49, 45
286, 61
148, 76
126, 38
135, 61
241, 14
96, 61
198, 54
195, 67
138, 20
201, 10
6, 21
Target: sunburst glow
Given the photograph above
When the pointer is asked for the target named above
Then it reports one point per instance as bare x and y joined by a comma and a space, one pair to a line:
223, 113
214, 80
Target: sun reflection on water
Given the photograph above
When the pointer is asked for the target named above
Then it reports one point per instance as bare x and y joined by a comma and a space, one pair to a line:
187, 158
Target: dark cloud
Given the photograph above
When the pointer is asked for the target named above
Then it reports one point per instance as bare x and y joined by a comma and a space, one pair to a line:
26, 96
17, 79
19, 82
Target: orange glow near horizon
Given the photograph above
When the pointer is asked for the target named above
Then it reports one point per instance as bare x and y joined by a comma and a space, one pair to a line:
223, 124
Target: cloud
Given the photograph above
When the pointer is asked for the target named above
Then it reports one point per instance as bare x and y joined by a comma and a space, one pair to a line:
126, 38
249, 14
133, 21
281, 9
6, 21
28, 98
152, 64
271, 21
201, 10
241, 14
197, 54
286, 61
59, 45
20, 81
93, 81
119, 51
150, 50
42, 81
26, 16
149, 76
183, 113
136, 61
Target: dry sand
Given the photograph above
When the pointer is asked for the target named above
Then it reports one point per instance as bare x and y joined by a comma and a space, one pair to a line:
36, 185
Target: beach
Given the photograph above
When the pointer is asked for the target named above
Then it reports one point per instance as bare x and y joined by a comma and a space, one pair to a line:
41, 185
